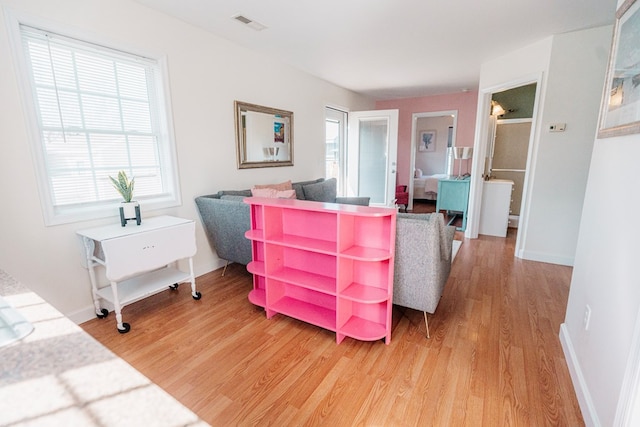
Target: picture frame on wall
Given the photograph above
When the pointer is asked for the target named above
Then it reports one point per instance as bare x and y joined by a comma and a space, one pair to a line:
620, 111
278, 132
427, 140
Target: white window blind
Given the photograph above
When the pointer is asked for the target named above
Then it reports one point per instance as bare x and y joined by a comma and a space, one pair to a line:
99, 111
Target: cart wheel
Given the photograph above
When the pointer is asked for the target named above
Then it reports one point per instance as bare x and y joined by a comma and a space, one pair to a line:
126, 328
197, 295
103, 313
174, 286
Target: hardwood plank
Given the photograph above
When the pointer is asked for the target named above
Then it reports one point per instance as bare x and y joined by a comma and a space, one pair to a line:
494, 357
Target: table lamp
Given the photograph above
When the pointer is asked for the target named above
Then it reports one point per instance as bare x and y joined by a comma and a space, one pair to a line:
462, 153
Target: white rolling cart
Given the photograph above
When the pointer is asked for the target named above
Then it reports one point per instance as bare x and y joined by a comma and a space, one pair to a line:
138, 260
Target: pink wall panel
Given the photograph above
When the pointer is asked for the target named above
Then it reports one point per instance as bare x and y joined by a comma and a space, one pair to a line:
464, 102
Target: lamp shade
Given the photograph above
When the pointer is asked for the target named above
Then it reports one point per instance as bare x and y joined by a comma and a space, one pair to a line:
496, 109
462, 153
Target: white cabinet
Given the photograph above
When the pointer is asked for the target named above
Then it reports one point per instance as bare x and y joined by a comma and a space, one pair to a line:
496, 199
137, 260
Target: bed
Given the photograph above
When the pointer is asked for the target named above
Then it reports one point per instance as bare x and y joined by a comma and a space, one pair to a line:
426, 186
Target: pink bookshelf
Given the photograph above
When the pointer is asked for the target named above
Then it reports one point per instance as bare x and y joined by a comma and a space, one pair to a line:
326, 264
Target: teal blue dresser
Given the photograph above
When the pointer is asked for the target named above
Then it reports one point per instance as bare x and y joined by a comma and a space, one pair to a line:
453, 196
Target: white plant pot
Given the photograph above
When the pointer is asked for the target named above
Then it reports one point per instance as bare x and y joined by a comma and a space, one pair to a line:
129, 211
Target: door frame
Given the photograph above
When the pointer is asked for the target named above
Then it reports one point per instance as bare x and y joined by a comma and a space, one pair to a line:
340, 115
414, 144
481, 145
391, 154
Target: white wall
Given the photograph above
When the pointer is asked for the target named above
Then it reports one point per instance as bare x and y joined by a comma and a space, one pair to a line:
569, 69
207, 74
573, 91
605, 277
523, 66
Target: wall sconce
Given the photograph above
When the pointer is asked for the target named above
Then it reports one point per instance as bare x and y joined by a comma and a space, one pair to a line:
496, 109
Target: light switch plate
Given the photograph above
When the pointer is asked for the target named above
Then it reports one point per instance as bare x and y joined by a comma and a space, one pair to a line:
557, 127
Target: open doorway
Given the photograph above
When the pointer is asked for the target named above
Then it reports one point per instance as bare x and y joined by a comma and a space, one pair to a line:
432, 136
519, 106
361, 153
507, 155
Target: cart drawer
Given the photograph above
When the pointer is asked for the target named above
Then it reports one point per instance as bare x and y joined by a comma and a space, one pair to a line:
136, 253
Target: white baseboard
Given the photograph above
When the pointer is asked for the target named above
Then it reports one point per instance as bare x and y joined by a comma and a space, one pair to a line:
87, 313
209, 267
579, 384
545, 257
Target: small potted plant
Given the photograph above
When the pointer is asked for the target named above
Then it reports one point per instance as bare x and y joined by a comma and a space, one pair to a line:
129, 209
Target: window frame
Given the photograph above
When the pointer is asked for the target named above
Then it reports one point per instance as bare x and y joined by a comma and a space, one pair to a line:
55, 215
341, 117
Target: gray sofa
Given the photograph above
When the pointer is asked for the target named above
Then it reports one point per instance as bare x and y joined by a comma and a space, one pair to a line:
422, 261
226, 217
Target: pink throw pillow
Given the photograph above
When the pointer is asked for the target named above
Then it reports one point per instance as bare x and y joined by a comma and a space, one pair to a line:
279, 187
273, 193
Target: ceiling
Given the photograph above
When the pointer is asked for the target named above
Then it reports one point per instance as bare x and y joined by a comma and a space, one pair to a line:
391, 48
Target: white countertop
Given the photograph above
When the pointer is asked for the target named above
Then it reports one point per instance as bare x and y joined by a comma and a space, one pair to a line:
499, 181
58, 375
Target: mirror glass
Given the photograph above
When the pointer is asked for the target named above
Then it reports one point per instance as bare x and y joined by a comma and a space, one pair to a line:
264, 136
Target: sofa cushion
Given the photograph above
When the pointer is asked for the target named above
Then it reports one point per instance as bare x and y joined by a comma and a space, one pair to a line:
244, 193
232, 197
355, 200
278, 187
272, 193
322, 191
298, 187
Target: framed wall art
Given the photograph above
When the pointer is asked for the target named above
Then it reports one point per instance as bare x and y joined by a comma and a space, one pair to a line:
620, 111
427, 140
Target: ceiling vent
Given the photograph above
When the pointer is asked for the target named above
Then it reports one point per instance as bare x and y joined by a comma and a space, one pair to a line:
249, 22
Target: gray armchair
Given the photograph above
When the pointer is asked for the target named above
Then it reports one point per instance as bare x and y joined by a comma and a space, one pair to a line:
422, 261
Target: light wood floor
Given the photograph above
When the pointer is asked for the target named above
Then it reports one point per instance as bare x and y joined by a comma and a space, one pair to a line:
494, 357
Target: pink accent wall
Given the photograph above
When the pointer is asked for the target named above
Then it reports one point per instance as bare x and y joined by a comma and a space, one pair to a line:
465, 102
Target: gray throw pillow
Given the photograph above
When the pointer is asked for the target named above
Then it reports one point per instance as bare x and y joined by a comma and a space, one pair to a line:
298, 187
324, 191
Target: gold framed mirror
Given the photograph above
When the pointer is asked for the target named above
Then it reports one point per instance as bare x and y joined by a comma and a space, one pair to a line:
264, 136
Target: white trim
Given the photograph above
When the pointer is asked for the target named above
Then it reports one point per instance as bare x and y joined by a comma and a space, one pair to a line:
391, 116
480, 150
342, 117
544, 257
513, 121
414, 129
480, 145
87, 313
585, 401
51, 215
628, 410
529, 176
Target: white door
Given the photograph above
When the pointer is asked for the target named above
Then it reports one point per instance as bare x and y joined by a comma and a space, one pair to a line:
372, 151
